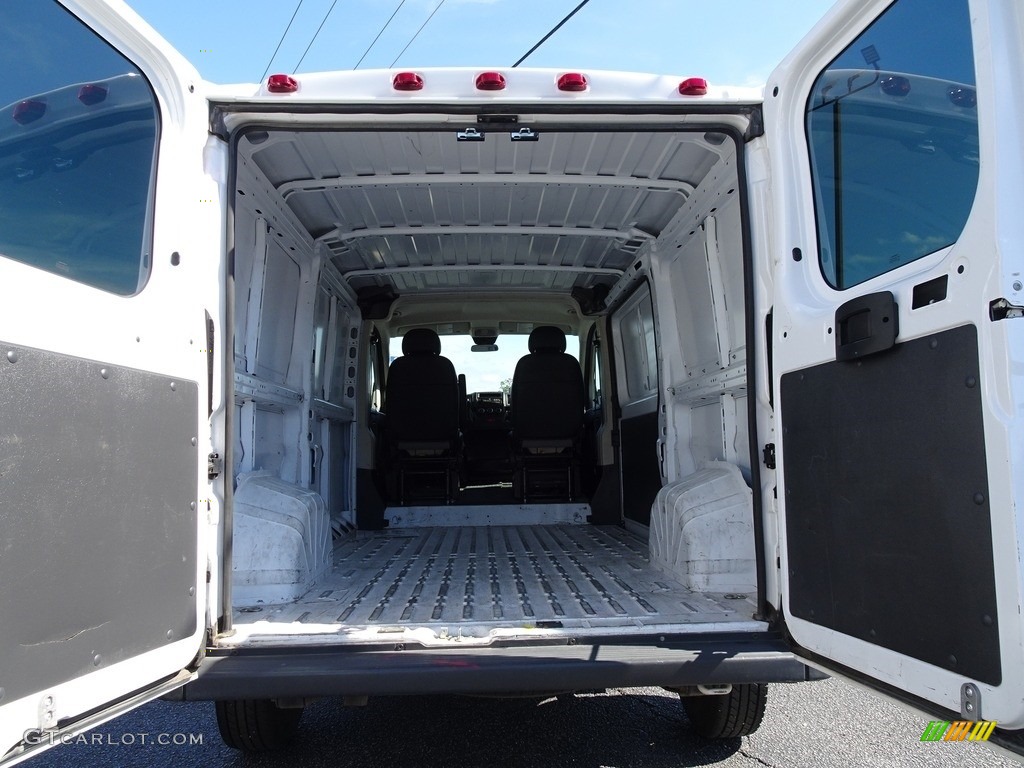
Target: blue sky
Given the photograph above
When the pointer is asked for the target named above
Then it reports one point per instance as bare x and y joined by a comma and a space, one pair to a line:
730, 42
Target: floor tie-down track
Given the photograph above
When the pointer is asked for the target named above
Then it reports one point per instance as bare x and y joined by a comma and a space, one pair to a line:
480, 582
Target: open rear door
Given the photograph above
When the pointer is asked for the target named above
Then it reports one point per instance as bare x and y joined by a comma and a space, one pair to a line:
898, 349
105, 379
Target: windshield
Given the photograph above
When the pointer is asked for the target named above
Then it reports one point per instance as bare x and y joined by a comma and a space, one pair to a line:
485, 371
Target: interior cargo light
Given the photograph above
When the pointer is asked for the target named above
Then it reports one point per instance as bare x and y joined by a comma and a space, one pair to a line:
282, 84
490, 81
693, 86
895, 85
92, 94
963, 97
572, 81
407, 81
27, 111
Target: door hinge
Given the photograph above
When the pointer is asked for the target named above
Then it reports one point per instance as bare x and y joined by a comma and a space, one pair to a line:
215, 465
769, 455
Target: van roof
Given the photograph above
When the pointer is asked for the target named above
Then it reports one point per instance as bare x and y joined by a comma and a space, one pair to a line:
460, 84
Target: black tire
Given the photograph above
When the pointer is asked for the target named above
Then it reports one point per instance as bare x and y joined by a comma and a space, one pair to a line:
737, 713
256, 725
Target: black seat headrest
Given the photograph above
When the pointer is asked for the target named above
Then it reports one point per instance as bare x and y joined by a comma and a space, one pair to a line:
421, 341
547, 338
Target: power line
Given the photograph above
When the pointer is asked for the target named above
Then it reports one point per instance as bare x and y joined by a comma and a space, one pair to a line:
315, 34
283, 35
386, 23
554, 29
417, 33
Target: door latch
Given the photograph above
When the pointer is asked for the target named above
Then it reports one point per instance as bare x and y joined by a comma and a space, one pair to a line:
470, 134
214, 466
970, 702
769, 455
524, 134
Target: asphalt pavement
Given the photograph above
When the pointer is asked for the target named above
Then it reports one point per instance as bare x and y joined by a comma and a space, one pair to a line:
825, 724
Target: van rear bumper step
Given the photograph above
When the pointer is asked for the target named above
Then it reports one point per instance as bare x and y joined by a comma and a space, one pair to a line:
287, 672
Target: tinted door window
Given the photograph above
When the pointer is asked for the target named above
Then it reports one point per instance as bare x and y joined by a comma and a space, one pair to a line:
893, 130
78, 130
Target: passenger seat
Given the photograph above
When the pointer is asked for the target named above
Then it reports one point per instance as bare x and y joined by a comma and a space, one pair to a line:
547, 418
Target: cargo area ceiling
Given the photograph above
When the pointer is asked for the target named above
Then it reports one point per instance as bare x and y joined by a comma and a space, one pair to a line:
421, 211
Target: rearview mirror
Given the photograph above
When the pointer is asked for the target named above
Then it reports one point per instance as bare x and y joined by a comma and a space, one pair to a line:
484, 347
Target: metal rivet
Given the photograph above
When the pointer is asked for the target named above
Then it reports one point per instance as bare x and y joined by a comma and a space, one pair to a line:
192, 506
969, 707
97, 660
138, 338
191, 591
48, 701
969, 691
1017, 285
971, 382
104, 373
12, 356
873, 633
986, 620
173, 386
979, 498
951, 660
170, 634
194, 441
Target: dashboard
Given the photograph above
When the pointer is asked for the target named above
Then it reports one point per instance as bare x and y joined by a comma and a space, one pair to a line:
487, 408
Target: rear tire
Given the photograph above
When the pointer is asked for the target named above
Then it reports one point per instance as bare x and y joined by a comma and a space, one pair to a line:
257, 725
737, 713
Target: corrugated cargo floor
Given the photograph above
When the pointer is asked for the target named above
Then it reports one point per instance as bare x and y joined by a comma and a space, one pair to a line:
479, 582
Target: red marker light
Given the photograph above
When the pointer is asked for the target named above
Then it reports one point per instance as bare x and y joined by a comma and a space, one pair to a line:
894, 85
490, 81
282, 84
693, 86
92, 94
28, 111
407, 81
572, 81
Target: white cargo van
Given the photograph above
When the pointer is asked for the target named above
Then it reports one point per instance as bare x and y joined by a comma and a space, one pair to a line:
790, 429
